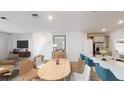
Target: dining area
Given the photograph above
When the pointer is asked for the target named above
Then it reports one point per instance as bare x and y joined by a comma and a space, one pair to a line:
60, 68
56, 69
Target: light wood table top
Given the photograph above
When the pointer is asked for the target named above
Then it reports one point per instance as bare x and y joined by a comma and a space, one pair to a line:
52, 71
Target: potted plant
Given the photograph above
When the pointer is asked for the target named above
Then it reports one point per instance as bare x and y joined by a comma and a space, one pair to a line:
103, 52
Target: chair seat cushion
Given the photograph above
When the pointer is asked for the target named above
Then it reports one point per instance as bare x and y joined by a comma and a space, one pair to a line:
40, 65
38, 62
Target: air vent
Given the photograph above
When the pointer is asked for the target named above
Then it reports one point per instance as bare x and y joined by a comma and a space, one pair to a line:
35, 15
3, 17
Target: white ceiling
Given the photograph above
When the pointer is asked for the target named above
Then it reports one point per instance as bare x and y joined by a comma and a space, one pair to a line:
24, 22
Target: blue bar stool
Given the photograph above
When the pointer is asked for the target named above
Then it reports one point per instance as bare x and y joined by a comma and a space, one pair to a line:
82, 57
89, 62
105, 74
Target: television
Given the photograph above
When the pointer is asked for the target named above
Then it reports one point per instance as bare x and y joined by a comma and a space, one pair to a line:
22, 44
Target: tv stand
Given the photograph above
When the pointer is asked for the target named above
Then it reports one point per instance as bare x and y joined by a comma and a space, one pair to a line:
23, 53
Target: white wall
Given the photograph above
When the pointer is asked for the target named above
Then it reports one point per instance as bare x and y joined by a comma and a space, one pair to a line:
74, 44
119, 34
5, 45
34, 44
42, 44
10, 42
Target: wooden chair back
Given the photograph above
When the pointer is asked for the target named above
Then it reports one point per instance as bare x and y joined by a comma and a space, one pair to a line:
25, 67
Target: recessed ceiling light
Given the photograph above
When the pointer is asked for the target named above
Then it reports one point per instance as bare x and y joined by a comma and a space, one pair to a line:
50, 17
103, 30
120, 22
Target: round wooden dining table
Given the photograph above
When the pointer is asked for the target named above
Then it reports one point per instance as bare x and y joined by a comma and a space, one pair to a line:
52, 71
